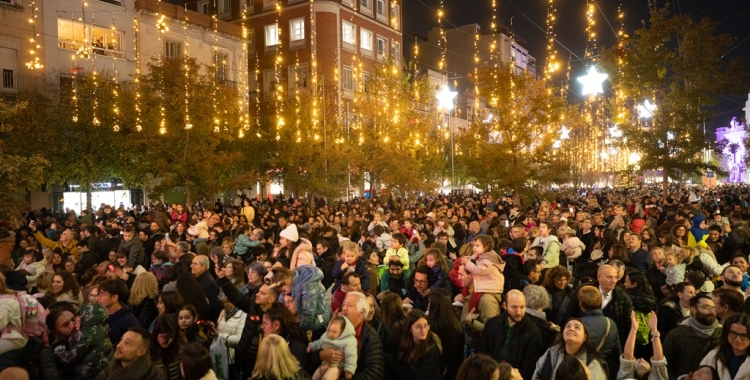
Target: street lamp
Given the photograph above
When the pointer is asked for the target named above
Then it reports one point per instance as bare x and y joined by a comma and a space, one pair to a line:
445, 101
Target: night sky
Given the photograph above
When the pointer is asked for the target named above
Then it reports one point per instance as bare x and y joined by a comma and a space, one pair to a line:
529, 17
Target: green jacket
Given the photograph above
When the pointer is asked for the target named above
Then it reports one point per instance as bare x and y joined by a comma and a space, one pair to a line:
684, 350
89, 349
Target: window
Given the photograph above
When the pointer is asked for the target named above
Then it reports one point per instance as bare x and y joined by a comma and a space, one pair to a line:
103, 41
347, 33
382, 47
272, 35
348, 79
8, 83
298, 77
365, 39
172, 50
251, 41
364, 3
226, 6
380, 5
220, 64
6, 1
269, 83
396, 53
298, 29
203, 8
366, 78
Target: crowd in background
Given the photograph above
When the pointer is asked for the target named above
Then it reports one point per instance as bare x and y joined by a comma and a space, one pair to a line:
598, 284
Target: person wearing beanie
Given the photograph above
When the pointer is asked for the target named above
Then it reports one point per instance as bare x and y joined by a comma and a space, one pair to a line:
288, 239
698, 233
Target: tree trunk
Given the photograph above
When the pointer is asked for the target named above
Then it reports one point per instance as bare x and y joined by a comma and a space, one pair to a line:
665, 181
88, 198
188, 202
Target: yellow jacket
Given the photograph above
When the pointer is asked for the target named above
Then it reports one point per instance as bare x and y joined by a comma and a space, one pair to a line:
72, 247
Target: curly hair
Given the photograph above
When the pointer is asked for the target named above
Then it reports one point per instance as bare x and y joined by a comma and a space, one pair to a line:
554, 274
537, 297
144, 286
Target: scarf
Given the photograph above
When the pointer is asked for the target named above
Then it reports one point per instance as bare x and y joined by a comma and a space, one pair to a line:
229, 314
135, 371
700, 329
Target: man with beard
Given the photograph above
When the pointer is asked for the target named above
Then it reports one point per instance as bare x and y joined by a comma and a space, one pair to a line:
512, 338
731, 278
687, 344
394, 283
132, 359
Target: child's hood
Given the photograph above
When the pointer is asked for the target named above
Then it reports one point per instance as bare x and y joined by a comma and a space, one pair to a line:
348, 329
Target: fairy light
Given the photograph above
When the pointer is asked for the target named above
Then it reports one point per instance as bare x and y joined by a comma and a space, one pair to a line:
186, 63
495, 43
244, 101
590, 33
161, 26
314, 68
442, 43
278, 66
35, 63
258, 94
137, 79
75, 71
296, 98
552, 63
94, 79
115, 89
215, 64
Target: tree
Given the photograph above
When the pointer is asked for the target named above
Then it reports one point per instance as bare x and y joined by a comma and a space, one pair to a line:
18, 174
678, 64
513, 149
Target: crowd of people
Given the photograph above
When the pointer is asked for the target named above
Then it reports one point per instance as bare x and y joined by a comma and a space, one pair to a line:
599, 284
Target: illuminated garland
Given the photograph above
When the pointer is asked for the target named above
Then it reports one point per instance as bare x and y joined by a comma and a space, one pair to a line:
137, 79
186, 61
115, 84
161, 26
35, 63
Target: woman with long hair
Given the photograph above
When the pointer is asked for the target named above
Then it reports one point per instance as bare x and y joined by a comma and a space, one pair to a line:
732, 357
644, 302
143, 296
419, 349
556, 283
169, 345
280, 321
65, 288
193, 294
392, 312
444, 323
679, 235
235, 272
276, 362
573, 341
196, 363
191, 326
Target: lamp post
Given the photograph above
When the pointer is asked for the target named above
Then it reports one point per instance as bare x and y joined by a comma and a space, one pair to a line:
445, 101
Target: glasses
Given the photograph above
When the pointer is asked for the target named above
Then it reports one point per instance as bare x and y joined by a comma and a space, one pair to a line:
735, 335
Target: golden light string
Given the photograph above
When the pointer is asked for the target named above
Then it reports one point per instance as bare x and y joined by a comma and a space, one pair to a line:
186, 63
244, 77
296, 79
161, 26
590, 33
94, 78
314, 68
137, 79
35, 63
476, 71
278, 65
115, 87
215, 64
441, 40
258, 93
552, 62
75, 70
494, 45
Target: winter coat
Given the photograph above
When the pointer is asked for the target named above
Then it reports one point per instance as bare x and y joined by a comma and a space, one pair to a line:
551, 253
684, 350
383, 242
742, 373
161, 218
555, 355
310, 296
200, 230
141, 369
596, 323
6, 247
540, 320
346, 343
10, 322
247, 347
89, 349
525, 343
575, 244
370, 361
71, 248
303, 254
146, 311
360, 267
134, 250
231, 329
487, 269
68, 296
119, 323
427, 368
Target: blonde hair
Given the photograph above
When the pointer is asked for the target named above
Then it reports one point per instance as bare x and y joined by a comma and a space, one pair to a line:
672, 254
275, 361
662, 251
144, 286
690, 254
351, 247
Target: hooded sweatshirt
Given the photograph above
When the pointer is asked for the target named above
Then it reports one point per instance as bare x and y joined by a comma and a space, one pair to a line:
575, 244
346, 343
697, 237
487, 269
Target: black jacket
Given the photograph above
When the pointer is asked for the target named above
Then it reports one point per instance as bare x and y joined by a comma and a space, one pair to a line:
427, 368
212, 293
247, 348
525, 344
146, 311
548, 335
370, 359
106, 245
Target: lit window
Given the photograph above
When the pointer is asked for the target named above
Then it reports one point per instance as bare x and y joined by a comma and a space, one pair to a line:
298, 29
102, 41
396, 51
347, 32
365, 39
272, 35
220, 64
298, 76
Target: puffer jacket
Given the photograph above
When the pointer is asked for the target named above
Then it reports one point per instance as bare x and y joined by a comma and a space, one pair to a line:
231, 328
488, 272
370, 359
310, 295
6, 247
10, 321
303, 245
89, 349
346, 343
34, 269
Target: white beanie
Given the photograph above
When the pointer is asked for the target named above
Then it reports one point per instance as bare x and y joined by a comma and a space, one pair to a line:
290, 233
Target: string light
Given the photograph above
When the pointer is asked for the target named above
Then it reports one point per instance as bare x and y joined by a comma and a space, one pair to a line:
258, 94
215, 63
161, 26
137, 79
244, 101
35, 63
115, 90
75, 70
552, 64
441, 40
314, 69
186, 63
94, 75
278, 62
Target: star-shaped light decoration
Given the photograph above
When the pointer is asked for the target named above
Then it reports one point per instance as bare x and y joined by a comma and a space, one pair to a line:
445, 98
646, 110
592, 82
670, 136
615, 132
556, 144
564, 133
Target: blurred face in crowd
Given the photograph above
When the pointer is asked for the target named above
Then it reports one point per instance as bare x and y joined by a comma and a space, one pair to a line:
419, 330
185, 320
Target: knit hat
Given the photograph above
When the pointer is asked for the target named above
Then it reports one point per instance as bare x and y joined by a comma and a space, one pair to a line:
290, 233
636, 225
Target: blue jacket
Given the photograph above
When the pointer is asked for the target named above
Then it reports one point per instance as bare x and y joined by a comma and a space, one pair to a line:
120, 322
360, 268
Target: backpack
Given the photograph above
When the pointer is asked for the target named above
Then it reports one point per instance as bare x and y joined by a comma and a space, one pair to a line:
33, 315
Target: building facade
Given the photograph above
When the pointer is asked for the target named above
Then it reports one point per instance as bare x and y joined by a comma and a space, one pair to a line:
16, 46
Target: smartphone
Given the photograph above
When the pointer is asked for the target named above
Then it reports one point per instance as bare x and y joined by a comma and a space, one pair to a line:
221, 259
507, 223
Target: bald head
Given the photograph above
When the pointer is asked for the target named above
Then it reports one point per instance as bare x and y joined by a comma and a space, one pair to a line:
515, 306
607, 277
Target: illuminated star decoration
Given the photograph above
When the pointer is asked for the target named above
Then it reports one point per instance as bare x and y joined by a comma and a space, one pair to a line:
646, 110
615, 132
592, 82
564, 133
445, 98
